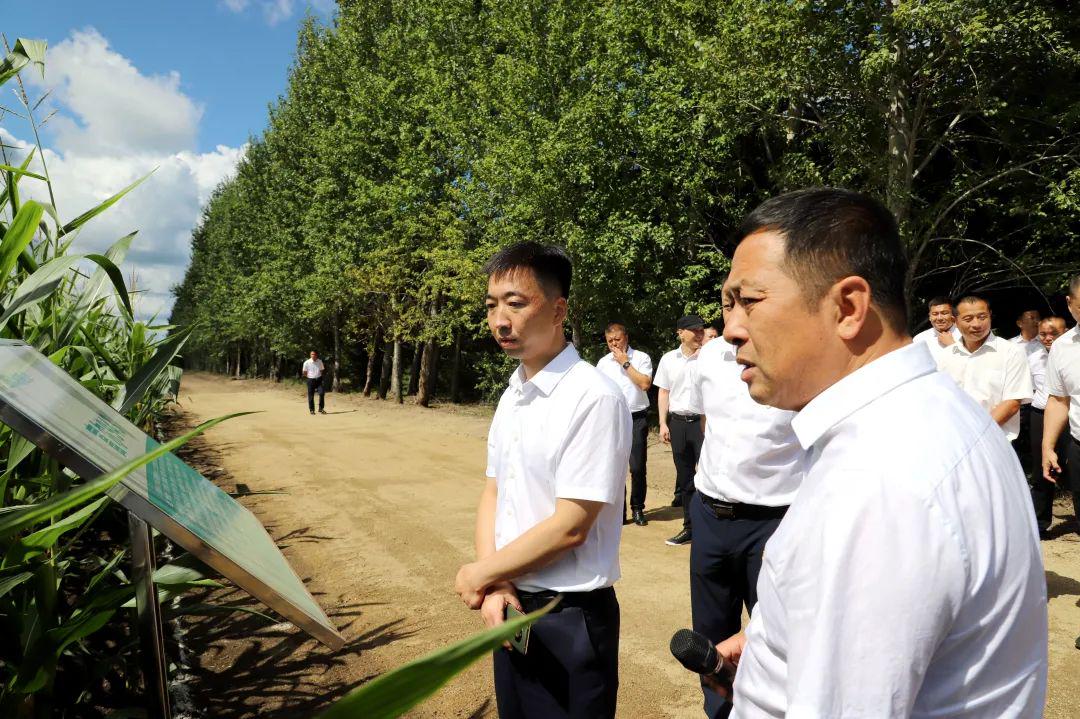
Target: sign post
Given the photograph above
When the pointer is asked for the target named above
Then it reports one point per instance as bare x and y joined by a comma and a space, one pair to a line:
51, 409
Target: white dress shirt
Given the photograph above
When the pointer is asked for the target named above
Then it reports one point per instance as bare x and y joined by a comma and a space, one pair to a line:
636, 398
313, 369
995, 372
1037, 365
906, 579
1030, 346
564, 434
749, 455
671, 375
1063, 375
930, 338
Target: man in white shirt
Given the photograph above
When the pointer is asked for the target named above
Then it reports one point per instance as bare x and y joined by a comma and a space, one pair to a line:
313, 371
994, 372
1042, 491
680, 418
943, 331
709, 335
750, 467
1063, 404
1028, 339
906, 578
631, 371
549, 517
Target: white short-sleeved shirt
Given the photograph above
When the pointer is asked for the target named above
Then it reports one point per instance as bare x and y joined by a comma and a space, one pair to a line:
1037, 365
1030, 346
995, 372
1063, 375
906, 579
313, 369
564, 434
636, 398
930, 338
671, 375
750, 454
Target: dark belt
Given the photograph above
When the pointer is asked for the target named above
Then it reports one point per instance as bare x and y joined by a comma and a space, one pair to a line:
1036, 409
738, 510
639, 414
531, 601
687, 417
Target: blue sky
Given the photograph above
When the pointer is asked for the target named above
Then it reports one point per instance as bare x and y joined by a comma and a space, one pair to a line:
171, 87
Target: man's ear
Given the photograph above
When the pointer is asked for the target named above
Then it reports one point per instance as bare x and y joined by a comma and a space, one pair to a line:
851, 298
560, 310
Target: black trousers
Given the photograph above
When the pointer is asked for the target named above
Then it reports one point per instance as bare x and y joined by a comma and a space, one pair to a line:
1021, 445
571, 668
725, 560
1042, 491
686, 438
315, 385
639, 442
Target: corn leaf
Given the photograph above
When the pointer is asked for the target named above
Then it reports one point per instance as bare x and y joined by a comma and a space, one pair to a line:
28, 516
18, 236
394, 693
9, 583
21, 171
136, 387
95, 211
38, 542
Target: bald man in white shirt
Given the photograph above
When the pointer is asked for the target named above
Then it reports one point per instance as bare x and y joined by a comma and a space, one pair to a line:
906, 578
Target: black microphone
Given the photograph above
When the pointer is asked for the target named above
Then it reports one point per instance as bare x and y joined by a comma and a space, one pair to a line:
695, 652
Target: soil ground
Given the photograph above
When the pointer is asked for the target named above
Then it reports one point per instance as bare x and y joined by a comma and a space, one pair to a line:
373, 504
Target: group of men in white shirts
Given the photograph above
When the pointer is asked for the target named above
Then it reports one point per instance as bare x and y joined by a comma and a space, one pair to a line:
1011, 380
869, 514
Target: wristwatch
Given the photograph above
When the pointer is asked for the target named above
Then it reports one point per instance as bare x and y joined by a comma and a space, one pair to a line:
626, 364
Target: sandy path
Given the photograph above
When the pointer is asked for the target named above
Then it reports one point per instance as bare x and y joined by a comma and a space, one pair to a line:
375, 512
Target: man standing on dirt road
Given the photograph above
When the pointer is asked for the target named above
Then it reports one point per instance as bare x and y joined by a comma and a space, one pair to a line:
313, 372
550, 515
906, 578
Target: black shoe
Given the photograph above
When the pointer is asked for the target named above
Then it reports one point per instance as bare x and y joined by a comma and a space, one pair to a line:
677, 502
679, 539
312, 413
322, 411
639, 518
626, 520
1044, 533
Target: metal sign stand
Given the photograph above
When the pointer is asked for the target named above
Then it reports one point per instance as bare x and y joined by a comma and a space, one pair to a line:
151, 634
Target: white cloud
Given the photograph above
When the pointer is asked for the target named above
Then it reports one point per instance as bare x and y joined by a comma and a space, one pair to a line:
115, 125
276, 11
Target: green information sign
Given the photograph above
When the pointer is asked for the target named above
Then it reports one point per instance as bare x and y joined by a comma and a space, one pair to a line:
51, 409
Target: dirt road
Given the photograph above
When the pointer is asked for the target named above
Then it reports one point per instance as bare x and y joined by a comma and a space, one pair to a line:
374, 505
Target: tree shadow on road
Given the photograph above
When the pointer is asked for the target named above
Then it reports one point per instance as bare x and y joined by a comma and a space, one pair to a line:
1059, 586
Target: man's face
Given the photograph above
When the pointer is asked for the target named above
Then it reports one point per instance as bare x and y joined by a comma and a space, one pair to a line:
710, 334
942, 317
781, 338
1050, 330
617, 340
1074, 305
973, 320
523, 319
1029, 323
314, 356
692, 339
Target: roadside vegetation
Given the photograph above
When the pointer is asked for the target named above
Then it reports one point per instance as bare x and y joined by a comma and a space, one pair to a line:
416, 137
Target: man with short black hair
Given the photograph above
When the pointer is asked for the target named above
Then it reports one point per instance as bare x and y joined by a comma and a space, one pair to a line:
313, 372
1028, 323
710, 334
906, 578
1063, 404
631, 371
943, 331
680, 416
548, 522
1042, 491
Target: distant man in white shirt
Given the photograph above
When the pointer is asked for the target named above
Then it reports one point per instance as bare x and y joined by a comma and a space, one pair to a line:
943, 331
1042, 491
993, 371
680, 416
1028, 339
709, 335
1063, 404
631, 371
906, 577
549, 516
750, 467
313, 372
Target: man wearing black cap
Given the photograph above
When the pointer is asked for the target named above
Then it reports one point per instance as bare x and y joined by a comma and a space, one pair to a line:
680, 418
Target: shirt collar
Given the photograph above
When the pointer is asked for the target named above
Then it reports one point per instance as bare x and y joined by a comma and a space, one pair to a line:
859, 389
989, 344
548, 378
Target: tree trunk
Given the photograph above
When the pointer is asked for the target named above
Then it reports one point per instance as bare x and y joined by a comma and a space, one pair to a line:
429, 373
414, 370
384, 376
395, 374
335, 366
374, 365
455, 373
575, 330
237, 360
